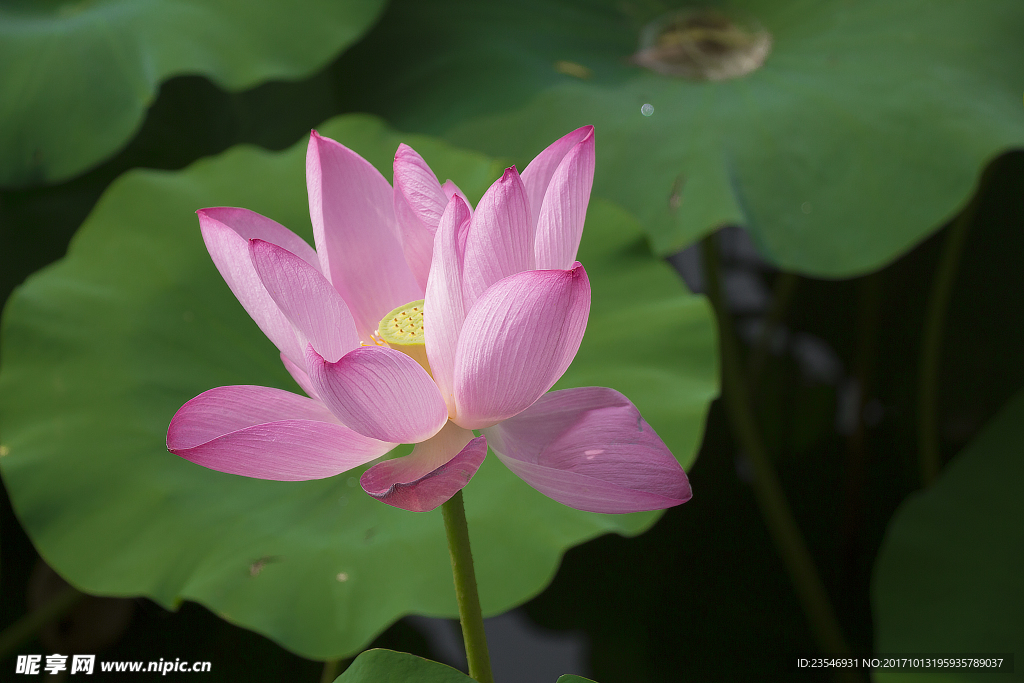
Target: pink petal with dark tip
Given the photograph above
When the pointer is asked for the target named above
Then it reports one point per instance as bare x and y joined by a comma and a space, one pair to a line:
537, 176
560, 223
517, 340
435, 471
450, 189
500, 241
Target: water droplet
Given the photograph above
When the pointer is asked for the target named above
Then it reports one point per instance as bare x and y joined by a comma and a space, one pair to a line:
647, 109
352, 482
806, 207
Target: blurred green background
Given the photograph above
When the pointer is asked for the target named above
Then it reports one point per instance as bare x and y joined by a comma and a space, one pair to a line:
865, 183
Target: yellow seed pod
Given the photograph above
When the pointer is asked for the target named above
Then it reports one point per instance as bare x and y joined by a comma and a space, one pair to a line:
403, 326
402, 330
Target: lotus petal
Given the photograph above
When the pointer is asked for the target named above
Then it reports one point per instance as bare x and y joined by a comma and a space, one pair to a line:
434, 472
589, 449
268, 434
517, 341
379, 392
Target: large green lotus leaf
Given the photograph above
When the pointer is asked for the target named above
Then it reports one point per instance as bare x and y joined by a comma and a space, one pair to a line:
100, 350
76, 76
865, 129
948, 576
387, 666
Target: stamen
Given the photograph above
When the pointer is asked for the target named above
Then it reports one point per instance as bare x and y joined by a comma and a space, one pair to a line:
375, 340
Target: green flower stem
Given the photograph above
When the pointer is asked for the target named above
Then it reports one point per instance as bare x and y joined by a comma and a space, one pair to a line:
774, 508
472, 618
333, 668
28, 626
929, 457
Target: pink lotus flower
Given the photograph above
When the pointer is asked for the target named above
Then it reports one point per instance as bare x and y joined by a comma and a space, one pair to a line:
418, 320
